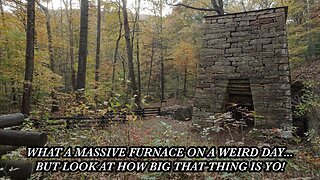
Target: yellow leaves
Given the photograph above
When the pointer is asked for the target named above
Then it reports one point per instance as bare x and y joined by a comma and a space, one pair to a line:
184, 56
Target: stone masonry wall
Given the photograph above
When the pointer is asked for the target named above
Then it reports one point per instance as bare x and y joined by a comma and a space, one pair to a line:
248, 45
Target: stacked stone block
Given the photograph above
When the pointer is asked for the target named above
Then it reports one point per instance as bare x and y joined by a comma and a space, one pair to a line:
247, 45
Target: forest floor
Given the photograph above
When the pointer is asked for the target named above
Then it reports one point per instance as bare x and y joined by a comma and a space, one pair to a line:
164, 131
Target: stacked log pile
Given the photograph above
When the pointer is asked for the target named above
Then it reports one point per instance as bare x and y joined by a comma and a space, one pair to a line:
11, 140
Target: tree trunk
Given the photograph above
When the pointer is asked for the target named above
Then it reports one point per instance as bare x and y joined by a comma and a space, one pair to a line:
14, 98
65, 67
185, 82
116, 49
55, 104
133, 86
1, 36
221, 8
124, 73
49, 35
61, 36
151, 63
138, 49
138, 64
161, 53
29, 58
179, 87
2, 12
61, 50
82, 63
162, 76
71, 43
97, 67
135, 23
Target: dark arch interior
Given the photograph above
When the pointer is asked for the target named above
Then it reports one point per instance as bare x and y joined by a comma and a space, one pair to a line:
240, 101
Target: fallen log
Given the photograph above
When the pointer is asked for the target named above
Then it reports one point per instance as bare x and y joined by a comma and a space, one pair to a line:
22, 138
16, 169
4, 149
11, 120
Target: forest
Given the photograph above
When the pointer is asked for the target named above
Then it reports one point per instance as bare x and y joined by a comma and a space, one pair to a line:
66, 61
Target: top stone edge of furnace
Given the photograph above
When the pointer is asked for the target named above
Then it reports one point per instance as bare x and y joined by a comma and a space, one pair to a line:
246, 13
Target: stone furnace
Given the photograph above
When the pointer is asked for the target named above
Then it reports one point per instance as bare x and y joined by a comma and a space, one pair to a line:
244, 60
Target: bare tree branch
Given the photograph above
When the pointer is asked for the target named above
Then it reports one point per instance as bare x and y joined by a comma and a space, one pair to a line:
217, 8
42, 6
191, 7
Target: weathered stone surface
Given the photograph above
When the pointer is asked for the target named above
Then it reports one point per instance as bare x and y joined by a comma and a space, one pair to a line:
235, 39
262, 41
249, 17
224, 20
249, 45
244, 23
217, 41
220, 46
233, 50
181, 113
261, 21
243, 33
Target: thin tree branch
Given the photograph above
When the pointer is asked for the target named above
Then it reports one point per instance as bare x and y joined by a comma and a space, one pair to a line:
42, 6
218, 8
191, 7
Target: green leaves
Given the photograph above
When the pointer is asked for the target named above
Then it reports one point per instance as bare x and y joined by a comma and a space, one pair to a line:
309, 100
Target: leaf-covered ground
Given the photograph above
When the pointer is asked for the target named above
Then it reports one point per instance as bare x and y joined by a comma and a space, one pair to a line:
162, 131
